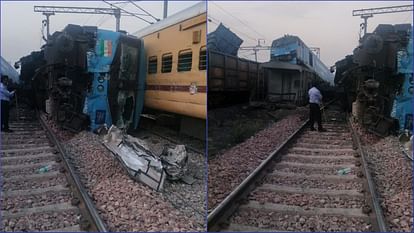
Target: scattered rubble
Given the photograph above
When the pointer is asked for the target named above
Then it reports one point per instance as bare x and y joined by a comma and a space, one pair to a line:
124, 204
135, 156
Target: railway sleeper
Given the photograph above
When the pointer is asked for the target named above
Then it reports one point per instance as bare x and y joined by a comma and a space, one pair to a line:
328, 146
309, 211
27, 166
315, 165
25, 157
290, 189
35, 177
27, 150
320, 157
11, 146
335, 178
61, 207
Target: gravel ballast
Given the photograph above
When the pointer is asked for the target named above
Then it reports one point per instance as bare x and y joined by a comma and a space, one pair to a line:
392, 174
124, 204
229, 168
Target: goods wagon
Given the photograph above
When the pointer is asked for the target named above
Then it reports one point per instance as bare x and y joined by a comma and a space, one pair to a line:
231, 79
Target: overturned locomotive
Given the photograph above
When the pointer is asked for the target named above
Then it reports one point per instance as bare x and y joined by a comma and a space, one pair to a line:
370, 79
86, 77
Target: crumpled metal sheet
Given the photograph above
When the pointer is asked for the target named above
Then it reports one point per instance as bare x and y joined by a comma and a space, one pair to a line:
175, 161
136, 158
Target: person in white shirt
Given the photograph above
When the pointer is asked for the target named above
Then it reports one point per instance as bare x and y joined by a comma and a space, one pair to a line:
5, 96
315, 102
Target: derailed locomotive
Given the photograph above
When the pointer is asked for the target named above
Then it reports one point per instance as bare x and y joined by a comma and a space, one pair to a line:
86, 77
370, 79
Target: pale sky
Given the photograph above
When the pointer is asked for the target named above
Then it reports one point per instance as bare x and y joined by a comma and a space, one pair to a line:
21, 26
327, 25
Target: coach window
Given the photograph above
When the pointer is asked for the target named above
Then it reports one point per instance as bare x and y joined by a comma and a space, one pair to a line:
203, 58
166, 63
185, 60
152, 65
310, 58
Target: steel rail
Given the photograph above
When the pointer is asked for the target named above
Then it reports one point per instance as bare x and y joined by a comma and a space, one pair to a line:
227, 207
92, 213
379, 216
231, 202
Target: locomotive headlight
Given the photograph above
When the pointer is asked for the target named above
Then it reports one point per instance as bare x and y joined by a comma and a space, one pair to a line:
101, 79
100, 88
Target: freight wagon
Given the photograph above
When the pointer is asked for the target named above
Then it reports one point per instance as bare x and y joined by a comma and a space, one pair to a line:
231, 79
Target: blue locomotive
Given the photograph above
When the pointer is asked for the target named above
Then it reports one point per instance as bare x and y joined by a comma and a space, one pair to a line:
85, 77
403, 103
377, 79
293, 50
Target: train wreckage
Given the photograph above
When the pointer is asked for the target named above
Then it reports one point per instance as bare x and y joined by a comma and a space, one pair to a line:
377, 79
141, 163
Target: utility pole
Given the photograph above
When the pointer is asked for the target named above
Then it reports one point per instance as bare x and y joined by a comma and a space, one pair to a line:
51, 10
117, 12
165, 9
256, 48
368, 13
47, 24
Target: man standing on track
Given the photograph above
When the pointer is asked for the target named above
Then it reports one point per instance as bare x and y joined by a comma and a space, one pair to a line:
5, 96
315, 102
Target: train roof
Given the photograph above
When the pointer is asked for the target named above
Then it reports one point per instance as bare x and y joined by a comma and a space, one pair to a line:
197, 9
7, 69
286, 39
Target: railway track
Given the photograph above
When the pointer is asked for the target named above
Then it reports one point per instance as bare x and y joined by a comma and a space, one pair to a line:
40, 191
312, 182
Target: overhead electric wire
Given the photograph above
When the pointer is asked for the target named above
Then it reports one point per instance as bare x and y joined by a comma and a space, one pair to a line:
225, 11
120, 2
240, 32
87, 20
105, 18
149, 14
125, 11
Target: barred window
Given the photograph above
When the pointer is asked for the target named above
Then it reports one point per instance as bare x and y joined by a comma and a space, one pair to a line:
152, 65
203, 58
185, 60
166, 63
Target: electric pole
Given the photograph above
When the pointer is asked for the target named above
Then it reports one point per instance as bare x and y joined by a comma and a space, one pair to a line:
165, 9
52, 10
368, 13
256, 48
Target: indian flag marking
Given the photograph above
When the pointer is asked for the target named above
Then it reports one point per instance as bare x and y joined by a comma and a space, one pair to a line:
105, 47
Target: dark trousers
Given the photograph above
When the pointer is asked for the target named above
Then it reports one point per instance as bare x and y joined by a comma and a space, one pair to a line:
315, 115
5, 114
